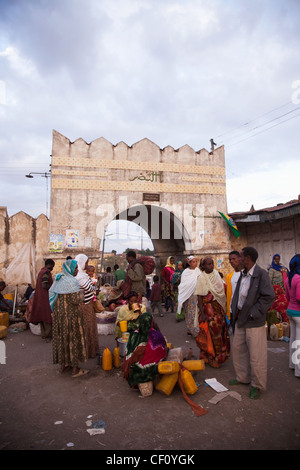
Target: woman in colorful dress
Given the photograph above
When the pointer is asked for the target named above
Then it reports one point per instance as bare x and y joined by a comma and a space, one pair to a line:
280, 303
87, 308
145, 349
68, 335
212, 307
277, 272
187, 299
167, 288
175, 281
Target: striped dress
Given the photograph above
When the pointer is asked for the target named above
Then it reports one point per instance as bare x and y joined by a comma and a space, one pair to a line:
89, 315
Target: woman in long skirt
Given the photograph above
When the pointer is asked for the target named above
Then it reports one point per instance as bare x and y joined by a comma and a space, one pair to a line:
187, 297
87, 307
68, 336
212, 307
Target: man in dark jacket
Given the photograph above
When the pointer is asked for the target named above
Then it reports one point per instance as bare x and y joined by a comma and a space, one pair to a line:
254, 294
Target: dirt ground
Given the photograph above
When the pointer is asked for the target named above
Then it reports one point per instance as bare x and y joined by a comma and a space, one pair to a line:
42, 409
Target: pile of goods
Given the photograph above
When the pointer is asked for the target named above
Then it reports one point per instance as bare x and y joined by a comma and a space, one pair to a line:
277, 329
106, 322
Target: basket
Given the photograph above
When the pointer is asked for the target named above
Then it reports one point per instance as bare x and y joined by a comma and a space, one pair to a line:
106, 317
146, 388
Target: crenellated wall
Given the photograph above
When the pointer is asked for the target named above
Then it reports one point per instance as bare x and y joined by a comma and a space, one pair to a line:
16, 231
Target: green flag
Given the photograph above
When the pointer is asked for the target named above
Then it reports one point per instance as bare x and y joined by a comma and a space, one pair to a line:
231, 224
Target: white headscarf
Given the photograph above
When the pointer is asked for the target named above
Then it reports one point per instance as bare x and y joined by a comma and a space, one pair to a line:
82, 276
187, 284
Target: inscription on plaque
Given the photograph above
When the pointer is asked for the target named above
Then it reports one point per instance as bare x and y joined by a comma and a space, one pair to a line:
151, 197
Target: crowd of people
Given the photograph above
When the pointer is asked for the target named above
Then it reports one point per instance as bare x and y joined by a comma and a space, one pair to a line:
213, 310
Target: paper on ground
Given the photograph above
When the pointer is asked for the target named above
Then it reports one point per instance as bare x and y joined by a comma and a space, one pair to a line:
213, 383
219, 396
93, 432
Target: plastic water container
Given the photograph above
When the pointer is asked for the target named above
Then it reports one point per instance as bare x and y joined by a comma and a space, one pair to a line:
3, 331
116, 357
4, 319
168, 367
167, 383
273, 332
107, 359
286, 329
280, 330
196, 364
10, 296
123, 326
189, 384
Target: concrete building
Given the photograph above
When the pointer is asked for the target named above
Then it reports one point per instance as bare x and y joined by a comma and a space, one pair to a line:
273, 230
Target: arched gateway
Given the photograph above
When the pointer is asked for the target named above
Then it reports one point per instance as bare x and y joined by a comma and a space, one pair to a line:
174, 195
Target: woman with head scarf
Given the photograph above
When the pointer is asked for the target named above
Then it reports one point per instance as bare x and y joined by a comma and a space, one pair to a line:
130, 312
212, 304
167, 288
186, 296
277, 272
68, 343
87, 307
292, 287
145, 349
175, 281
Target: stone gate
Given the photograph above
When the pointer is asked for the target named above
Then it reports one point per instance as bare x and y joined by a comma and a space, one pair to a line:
174, 195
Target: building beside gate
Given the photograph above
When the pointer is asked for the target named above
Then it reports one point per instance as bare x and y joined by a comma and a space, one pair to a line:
272, 230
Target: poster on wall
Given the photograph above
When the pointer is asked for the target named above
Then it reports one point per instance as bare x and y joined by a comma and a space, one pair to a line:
72, 238
56, 243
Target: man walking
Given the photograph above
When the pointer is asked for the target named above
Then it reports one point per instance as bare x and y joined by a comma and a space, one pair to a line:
41, 311
253, 296
135, 273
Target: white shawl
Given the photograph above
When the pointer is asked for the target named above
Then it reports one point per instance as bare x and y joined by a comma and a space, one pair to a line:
187, 285
212, 283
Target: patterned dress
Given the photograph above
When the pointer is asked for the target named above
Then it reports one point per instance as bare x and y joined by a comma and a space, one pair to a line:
146, 348
90, 327
190, 308
69, 343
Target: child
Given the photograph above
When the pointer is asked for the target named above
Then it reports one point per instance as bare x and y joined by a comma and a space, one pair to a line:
90, 270
155, 296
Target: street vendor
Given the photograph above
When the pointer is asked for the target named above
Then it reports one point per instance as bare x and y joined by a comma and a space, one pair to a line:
6, 305
130, 313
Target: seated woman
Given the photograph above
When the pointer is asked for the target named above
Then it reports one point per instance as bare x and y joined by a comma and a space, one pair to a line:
145, 349
130, 313
6, 305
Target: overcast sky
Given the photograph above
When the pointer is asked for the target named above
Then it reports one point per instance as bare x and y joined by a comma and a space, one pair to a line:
177, 72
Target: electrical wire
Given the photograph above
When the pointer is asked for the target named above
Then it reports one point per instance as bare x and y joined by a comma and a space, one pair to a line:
264, 130
258, 126
253, 120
